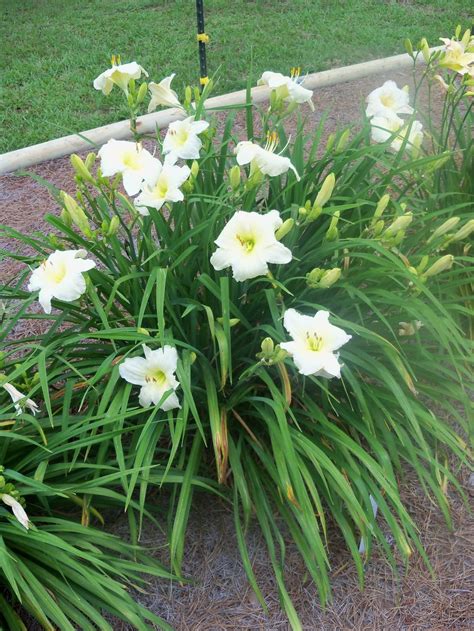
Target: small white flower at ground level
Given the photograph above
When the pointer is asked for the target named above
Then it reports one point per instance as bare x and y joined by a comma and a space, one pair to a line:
288, 88
248, 244
119, 74
155, 374
162, 94
264, 158
388, 99
315, 342
182, 139
61, 277
135, 163
17, 398
17, 509
164, 188
458, 56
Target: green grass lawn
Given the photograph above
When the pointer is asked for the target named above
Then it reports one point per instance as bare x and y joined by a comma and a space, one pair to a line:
52, 50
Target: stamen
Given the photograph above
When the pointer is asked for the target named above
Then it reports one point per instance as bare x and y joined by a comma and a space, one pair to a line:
272, 141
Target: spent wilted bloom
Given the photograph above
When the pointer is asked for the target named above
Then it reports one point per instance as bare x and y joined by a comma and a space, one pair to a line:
135, 163
119, 74
288, 88
315, 342
19, 400
182, 139
162, 94
155, 374
264, 159
60, 276
248, 243
17, 509
388, 99
164, 188
458, 56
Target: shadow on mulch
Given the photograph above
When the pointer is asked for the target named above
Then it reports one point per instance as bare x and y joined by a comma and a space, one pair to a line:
220, 598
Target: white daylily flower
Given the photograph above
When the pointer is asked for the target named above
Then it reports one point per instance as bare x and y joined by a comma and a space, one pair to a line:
388, 99
135, 163
17, 509
248, 244
288, 88
384, 127
61, 277
182, 139
315, 342
18, 397
155, 374
162, 94
458, 56
119, 74
263, 158
164, 188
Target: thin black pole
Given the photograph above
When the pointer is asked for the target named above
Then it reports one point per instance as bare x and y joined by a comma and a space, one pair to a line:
203, 40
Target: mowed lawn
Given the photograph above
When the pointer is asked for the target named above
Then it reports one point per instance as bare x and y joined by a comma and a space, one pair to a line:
51, 50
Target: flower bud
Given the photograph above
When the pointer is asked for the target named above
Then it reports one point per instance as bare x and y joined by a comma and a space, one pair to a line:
381, 206
409, 328
314, 276
142, 93
65, 218
285, 228
130, 101
465, 231
302, 212
192, 357
326, 191
78, 216
400, 223
343, 140
441, 265
188, 95
379, 226
330, 277
408, 47
330, 141
448, 225
143, 331
234, 177
423, 263
194, 169
425, 50
332, 234
267, 347
89, 161
80, 168
114, 226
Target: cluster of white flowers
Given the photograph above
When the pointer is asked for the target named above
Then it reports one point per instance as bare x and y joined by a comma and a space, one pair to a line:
384, 107
247, 243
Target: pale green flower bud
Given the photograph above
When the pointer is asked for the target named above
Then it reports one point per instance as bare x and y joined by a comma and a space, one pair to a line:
90, 160
114, 226
330, 277
267, 346
332, 234
279, 355
400, 223
284, 229
143, 331
330, 141
192, 357
425, 49
234, 177
142, 93
65, 218
78, 216
314, 276
302, 212
465, 231
441, 265
130, 100
408, 47
232, 321
379, 226
80, 168
448, 225
194, 169
343, 140
325, 192
423, 263
187, 187
381, 206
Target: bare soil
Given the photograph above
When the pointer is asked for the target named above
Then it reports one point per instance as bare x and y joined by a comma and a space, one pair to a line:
220, 599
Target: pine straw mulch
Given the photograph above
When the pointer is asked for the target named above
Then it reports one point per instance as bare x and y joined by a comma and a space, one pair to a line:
220, 598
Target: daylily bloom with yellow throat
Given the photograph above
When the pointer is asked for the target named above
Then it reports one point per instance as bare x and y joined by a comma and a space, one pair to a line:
155, 374
248, 243
135, 163
458, 56
162, 94
164, 188
19, 400
264, 158
384, 127
61, 276
315, 342
119, 74
288, 88
182, 139
388, 99
17, 509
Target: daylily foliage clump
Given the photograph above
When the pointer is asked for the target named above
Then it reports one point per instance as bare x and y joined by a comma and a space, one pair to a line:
282, 321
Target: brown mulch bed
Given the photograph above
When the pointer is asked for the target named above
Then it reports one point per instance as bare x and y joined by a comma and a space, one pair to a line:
221, 599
